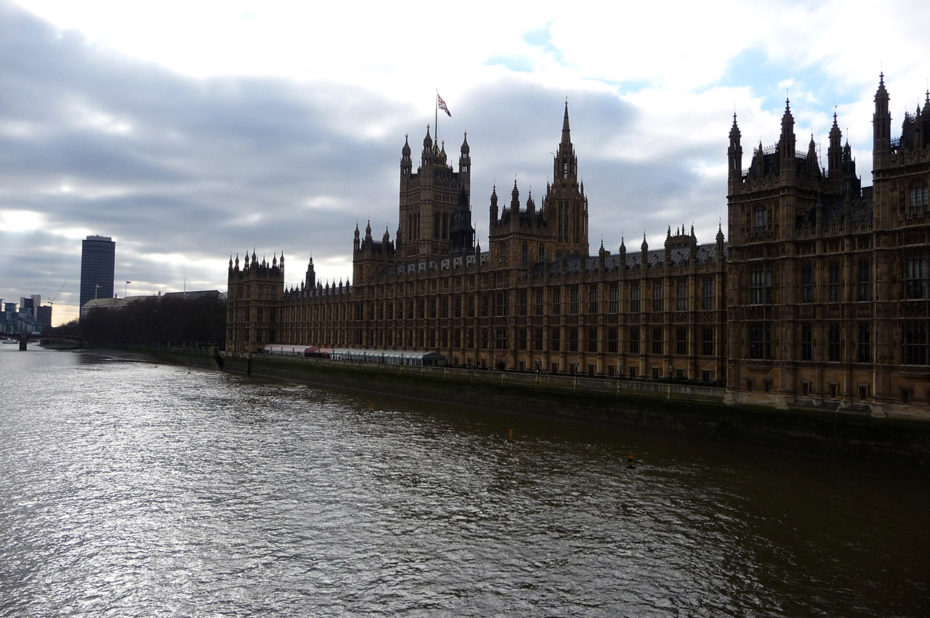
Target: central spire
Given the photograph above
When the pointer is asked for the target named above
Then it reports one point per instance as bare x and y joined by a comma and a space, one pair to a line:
566, 131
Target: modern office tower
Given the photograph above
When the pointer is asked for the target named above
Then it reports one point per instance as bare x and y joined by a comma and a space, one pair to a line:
97, 266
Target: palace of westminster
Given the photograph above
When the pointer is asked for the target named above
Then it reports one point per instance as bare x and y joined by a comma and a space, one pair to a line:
820, 295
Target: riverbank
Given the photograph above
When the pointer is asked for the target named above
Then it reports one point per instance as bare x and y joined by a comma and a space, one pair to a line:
682, 408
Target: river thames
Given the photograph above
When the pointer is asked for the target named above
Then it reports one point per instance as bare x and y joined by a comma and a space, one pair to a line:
136, 489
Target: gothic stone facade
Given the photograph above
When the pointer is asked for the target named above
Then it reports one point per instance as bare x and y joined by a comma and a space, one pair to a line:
828, 290
536, 300
820, 296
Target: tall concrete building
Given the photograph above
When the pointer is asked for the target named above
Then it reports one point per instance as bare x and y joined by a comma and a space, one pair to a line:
98, 254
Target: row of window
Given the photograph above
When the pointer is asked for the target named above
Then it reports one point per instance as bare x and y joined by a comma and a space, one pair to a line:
915, 350
577, 339
916, 283
498, 303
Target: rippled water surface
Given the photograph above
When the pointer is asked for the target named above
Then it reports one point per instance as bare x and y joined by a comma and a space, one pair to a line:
135, 489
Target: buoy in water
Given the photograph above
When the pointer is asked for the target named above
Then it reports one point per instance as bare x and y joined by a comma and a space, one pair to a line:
510, 434
631, 460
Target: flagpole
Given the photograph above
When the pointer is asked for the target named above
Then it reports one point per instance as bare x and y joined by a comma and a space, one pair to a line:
436, 119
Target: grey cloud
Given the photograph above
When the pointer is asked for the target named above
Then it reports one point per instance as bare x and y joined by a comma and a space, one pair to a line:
214, 167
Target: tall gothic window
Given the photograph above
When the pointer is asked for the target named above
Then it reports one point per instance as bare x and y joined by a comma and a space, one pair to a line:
760, 340
634, 340
556, 301
614, 298
760, 221
681, 340
707, 343
915, 343
708, 297
634, 298
760, 287
864, 281
682, 301
592, 300
657, 302
807, 342
836, 282
807, 284
864, 349
918, 201
915, 278
612, 340
834, 344
657, 340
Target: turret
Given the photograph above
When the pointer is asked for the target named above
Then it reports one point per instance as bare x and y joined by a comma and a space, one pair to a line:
406, 164
881, 126
735, 157
427, 148
515, 205
835, 154
720, 245
465, 163
310, 278
786, 143
494, 213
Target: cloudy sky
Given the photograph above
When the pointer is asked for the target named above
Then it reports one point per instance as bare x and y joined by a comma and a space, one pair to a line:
193, 131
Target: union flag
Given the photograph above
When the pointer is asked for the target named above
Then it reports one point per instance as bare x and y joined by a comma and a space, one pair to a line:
442, 105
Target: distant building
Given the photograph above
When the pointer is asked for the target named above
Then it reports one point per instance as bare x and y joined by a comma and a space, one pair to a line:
29, 317
44, 317
98, 255
121, 303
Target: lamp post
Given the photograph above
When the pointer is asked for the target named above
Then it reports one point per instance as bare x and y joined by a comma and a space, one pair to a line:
96, 288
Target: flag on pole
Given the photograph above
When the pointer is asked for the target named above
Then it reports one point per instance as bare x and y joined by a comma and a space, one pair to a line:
442, 105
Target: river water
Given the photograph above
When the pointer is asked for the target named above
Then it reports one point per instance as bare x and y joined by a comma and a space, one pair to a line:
136, 489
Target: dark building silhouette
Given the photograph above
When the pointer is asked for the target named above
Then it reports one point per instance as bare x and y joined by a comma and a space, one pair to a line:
98, 254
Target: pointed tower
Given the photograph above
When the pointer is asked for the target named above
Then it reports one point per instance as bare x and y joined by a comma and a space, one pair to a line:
430, 198
310, 277
881, 127
786, 145
565, 206
835, 153
735, 157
